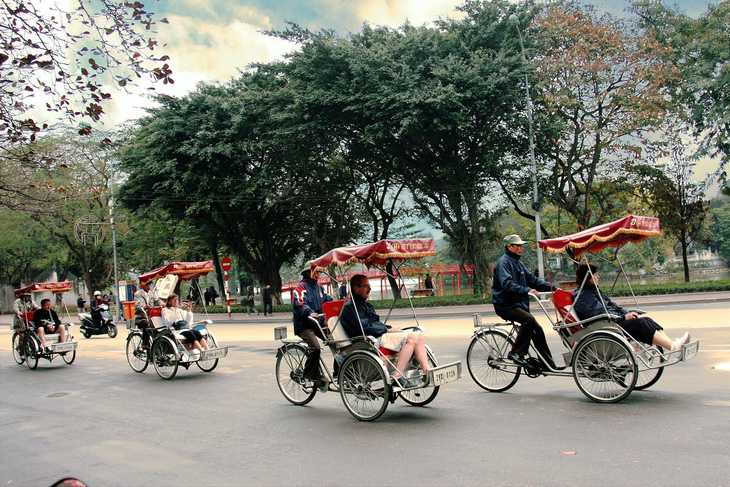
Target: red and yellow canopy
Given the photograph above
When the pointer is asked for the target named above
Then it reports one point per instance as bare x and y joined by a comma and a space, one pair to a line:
184, 270
378, 253
54, 287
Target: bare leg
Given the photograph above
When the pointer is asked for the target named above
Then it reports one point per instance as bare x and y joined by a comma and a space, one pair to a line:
204, 344
420, 354
405, 354
62, 331
41, 336
661, 339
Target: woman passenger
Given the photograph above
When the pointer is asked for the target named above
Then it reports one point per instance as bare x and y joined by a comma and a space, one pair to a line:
181, 319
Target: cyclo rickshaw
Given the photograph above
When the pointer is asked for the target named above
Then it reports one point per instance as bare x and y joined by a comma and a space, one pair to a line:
26, 344
363, 372
604, 360
167, 348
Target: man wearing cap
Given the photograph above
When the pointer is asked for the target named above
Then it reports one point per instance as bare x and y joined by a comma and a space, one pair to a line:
307, 302
22, 305
144, 299
511, 288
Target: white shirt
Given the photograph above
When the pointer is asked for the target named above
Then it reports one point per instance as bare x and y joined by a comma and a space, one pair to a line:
173, 315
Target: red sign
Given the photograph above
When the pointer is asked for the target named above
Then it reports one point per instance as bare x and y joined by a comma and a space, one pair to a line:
226, 264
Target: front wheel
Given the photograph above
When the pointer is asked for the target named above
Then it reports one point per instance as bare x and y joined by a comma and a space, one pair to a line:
208, 365
424, 395
289, 368
136, 354
69, 357
363, 387
604, 368
165, 358
649, 377
18, 348
112, 331
486, 360
32, 349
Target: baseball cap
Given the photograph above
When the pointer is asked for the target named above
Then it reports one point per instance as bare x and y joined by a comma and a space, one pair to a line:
513, 240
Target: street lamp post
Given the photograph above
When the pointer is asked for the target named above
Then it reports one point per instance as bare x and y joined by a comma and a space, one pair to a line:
533, 166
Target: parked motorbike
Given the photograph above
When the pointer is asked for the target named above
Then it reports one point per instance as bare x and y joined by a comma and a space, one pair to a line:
101, 326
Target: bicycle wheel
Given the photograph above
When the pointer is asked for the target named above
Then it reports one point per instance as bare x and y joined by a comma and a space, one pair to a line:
290, 362
648, 377
32, 349
209, 365
165, 358
486, 360
136, 354
604, 368
424, 395
69, 357
363, 387
18, 348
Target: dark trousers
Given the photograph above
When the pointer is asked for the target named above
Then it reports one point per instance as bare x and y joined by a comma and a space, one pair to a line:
311, 367
530, 329
271, 308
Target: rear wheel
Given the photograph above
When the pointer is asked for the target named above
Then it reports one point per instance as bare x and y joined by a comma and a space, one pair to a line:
32, 349
208, 365
424, 395
604, 368
363, 387
649, 377
165, 358
112, 331
486, 360
18, 348
136, 354
289, 368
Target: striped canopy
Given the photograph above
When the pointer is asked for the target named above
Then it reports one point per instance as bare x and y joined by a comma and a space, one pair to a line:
54, 287
377, 253
184, 270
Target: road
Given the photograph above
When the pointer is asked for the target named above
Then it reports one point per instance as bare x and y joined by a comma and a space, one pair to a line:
100, 421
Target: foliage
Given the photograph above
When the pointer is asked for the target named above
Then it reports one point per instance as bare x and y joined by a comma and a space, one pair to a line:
25, 247
601, 88
720, 229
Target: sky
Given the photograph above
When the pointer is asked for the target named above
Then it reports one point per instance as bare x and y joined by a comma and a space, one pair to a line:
211, 40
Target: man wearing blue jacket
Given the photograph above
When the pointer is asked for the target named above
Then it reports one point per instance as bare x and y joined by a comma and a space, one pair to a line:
307, 302
511, 288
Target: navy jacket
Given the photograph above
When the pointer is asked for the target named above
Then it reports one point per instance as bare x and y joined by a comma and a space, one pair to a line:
308, 299
370, 320
512, 283
589, 304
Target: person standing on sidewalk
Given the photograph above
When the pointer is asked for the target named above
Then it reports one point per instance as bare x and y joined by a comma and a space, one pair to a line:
511, 288
266, 300
250, 302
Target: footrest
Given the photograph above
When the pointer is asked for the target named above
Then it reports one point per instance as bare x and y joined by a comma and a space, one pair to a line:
64, 347
444, 374
689, 350
214, 353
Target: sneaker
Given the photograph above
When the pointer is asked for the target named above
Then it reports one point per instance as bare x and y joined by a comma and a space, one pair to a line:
676, 345
684, 339
517, 359
306, 384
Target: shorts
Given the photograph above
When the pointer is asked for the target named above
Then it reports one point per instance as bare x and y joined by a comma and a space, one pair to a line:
641, 329
393, 341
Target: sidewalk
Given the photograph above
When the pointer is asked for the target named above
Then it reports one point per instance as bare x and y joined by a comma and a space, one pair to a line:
452, 311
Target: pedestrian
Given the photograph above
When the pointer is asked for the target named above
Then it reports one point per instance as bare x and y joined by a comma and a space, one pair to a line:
343, 288
80, 302
429, 283
266, 300
206, 296
213, 295
250, 303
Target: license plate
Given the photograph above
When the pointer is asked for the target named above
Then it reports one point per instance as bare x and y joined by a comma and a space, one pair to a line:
444, 374
214, 353
690, 350
64, 347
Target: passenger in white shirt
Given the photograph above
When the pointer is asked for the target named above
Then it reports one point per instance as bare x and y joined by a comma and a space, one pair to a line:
181, 319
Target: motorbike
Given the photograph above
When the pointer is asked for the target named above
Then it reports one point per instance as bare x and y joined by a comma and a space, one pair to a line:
104, 324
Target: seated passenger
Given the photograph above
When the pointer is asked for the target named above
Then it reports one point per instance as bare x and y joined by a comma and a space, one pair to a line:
46, 321
642, 329
181, 319
358, 311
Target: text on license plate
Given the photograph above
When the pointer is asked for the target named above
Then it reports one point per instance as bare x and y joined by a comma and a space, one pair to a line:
216, 353
691, 350
446, 374
64, 347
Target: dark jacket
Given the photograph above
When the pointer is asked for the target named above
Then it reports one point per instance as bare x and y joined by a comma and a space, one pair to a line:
370, 320
42, 318
308, 299
589, 304
266, 295
512, 283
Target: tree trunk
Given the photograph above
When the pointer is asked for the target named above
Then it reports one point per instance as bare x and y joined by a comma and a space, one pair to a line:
683, 243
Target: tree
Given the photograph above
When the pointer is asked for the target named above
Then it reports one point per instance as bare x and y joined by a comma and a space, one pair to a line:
679, 200
600, 90
65, 63
25, 248
720, 227
700, 48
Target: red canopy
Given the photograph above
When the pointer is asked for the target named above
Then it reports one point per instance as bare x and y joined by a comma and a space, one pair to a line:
54, 287
185, 270
378, 253
615, 234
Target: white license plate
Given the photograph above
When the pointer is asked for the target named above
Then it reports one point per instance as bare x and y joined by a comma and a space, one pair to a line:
447, 373
213, 354
64, 347
690, 350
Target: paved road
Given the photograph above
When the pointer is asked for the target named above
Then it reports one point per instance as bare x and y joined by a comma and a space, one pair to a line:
102, 422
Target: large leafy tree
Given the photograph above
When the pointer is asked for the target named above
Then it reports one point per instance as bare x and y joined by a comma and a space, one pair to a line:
601, 89
700, 48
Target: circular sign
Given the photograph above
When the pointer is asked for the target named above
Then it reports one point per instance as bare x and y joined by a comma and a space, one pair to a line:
89, 230
226, 264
